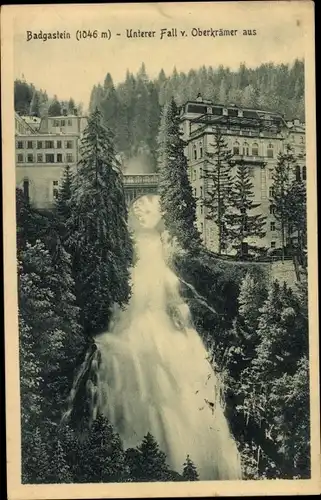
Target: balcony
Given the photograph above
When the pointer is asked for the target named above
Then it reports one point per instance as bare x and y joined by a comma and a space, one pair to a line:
252, 160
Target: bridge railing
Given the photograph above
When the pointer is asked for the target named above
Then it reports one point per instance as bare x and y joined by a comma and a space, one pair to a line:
145, 179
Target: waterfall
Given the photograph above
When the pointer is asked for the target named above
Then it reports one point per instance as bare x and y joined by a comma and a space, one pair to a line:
153, 374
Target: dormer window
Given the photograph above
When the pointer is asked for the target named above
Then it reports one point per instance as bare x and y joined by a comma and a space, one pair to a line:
240, 113
209, 111
225, 112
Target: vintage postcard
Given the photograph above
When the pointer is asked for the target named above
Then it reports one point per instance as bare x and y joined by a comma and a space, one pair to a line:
160, 250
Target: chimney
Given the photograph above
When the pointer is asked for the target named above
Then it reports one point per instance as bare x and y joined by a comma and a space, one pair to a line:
199, 98
296, 122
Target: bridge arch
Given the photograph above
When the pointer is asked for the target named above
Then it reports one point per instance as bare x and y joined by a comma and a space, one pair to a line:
137, 185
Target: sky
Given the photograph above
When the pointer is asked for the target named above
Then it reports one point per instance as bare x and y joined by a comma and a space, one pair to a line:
69, 67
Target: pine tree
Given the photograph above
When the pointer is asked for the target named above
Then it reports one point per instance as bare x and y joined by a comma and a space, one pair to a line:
63, 202
285, 166
61, 472
99, 239
241, 223
151, 461
252, 295
35, 104
55, 108
71, 106
36, 467
297, 216
217, 174
189, 471
104, 458
176, 199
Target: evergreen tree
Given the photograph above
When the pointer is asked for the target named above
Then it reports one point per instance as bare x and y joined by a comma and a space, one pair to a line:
36, 467
103, 459
71, 106
285, 166
61, 472
98, 234
176, 199
109, 104
189, 471
150, 461
55, 108
35, 104
23, 93
241, 223
217, 174
63, 208
297, 216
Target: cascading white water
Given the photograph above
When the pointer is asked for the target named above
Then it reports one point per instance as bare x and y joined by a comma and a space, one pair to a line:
153, 374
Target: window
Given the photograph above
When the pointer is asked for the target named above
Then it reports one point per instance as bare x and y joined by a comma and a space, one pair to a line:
201, 195
55, 193
26, 189
194, 174
69, 157
297, 173
49, 144
50, 158
201, 150
20, 158
195, 193
272, 226
69, 123
246, 149
55, 183
39, 144
271, 192
292, 138
194, 152
202, 227
39, 157
236, 148
304, 173
69, 144
59, 158
272, 209
56, 123
270, 152
20, 145
255, 149
270, 173
59, 145
30, 158
272, 244
201, 209
63, 123
301, 139
29, 144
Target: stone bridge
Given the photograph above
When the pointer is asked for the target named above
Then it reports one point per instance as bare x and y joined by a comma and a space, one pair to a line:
137, 185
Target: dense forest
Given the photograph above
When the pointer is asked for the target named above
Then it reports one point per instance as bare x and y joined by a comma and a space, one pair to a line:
132, 109
74, 266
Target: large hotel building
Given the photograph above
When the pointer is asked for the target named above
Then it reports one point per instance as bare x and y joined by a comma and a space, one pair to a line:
44, 148
253, 136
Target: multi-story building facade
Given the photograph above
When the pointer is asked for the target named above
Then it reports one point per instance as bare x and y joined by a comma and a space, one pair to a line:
42, 156
254, 136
